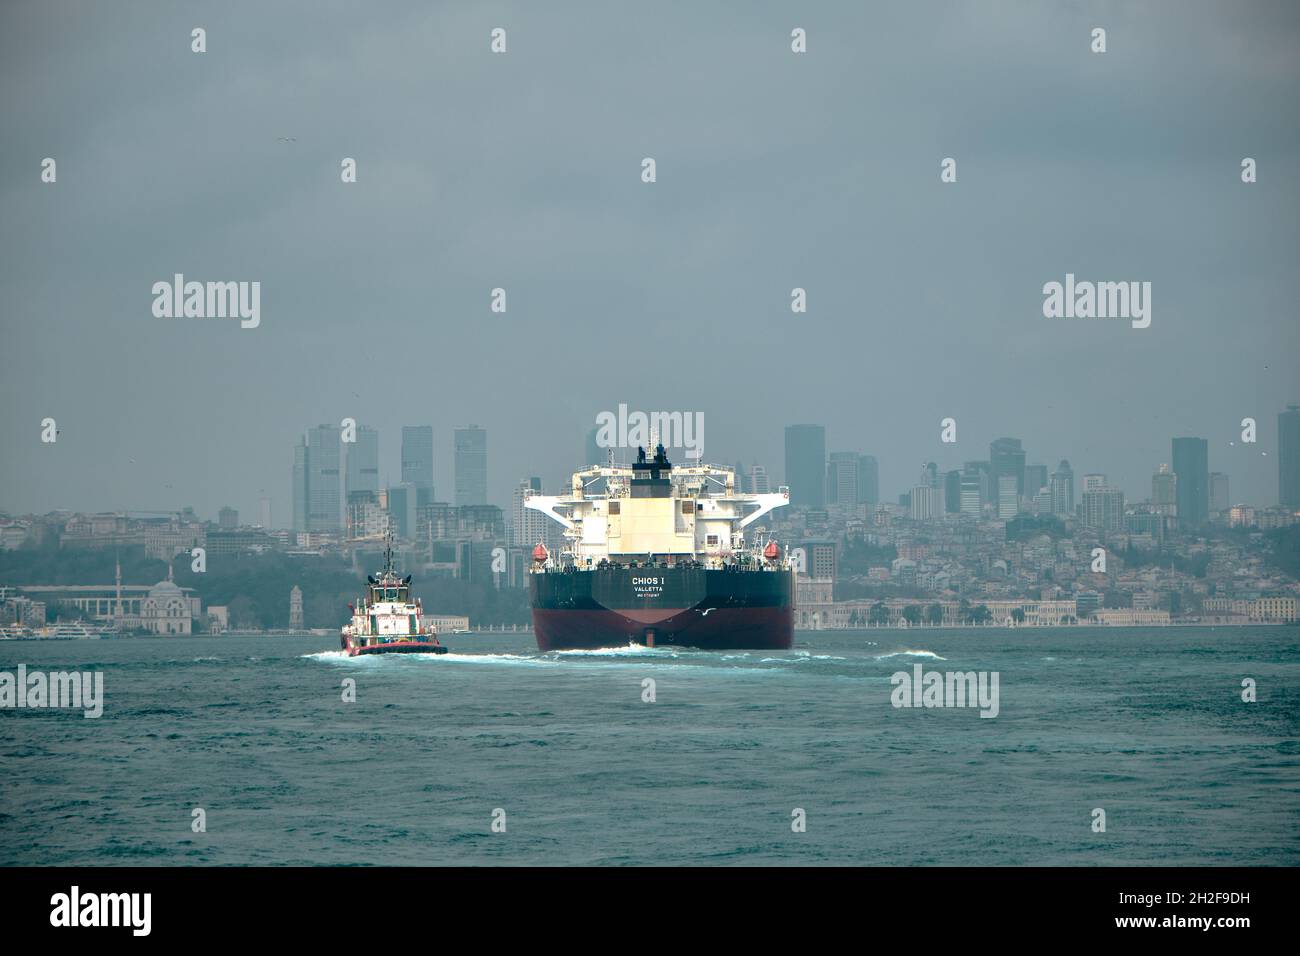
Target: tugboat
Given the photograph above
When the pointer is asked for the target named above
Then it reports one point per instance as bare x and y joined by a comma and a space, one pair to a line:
387, 622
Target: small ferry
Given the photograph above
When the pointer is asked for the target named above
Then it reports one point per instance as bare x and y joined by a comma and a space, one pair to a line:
77, 630
386, 621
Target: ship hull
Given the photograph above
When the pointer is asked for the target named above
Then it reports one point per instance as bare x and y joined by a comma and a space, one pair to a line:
663, 607
397, 647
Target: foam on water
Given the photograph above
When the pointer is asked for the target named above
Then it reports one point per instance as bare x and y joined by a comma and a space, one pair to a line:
630, 650
928, 655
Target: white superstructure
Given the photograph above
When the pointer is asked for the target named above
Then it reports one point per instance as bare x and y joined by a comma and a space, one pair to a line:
654, 510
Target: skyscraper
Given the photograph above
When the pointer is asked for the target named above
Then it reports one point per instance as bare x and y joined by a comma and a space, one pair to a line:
363, 462
927, 502
952, 492
528, 527
1192, 467
417, 456
985, 482
1288, 458
868, 480
1035, 479
1164, 491
402, 505
972, 492
1006, 457
842, 478
317, 480
471, 466
1008, 497
1103, 506
805, 465
758, 481
1063, 489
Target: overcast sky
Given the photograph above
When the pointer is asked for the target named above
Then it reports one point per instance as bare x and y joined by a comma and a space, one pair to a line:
523, 171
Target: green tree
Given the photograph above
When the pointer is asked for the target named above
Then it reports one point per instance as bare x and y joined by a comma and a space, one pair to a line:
934, 614
243, 614
912, 614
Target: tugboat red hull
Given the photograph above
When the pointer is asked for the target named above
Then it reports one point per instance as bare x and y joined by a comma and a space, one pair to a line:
397, 647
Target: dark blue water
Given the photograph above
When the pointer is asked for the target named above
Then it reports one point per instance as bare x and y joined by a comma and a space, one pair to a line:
1147, 724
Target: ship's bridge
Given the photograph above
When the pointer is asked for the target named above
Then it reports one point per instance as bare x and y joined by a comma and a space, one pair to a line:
654, 510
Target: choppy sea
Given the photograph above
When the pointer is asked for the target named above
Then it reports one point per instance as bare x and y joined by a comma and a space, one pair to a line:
566, 754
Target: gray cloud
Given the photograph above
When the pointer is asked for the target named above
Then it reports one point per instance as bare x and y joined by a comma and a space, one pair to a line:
522, 171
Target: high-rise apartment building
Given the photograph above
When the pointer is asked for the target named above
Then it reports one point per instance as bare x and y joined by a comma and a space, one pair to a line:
1035, 480
868, 480
1063, 489
842, 478
363, 462
417, 456
1164, 491
1192, 466
1008, 496
805, 465
528, 527
952, 492
1006, 457
471, 466
1103, 506
1288, 458
317, 480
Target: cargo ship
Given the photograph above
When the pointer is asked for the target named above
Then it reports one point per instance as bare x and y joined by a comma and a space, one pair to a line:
661, 556
386, 620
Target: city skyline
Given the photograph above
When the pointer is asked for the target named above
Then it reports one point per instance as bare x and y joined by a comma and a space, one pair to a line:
416, 444
924, 298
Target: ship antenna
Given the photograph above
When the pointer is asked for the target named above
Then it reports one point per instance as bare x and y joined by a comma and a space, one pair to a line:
388, 551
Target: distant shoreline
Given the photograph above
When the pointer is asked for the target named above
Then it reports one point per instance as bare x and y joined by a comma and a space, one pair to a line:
820, 630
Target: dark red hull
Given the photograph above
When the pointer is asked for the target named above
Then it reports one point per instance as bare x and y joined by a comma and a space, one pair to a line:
757, 628
657, 605
405, 647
